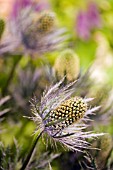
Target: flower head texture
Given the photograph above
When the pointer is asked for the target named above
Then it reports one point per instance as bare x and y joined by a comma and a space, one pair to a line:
64, 117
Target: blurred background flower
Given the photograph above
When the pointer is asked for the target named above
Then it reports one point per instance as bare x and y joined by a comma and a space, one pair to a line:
31, 31
83, 27
87, 20
70, 65
93, 15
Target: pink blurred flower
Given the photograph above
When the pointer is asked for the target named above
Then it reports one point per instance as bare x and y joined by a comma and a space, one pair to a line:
83, 27
93, 15
87, 21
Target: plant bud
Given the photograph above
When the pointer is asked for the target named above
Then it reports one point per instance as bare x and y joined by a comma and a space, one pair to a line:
67, 64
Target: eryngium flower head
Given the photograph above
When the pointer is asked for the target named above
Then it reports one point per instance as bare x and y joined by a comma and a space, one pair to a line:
70, 65
33, 32
46, 22
63, 117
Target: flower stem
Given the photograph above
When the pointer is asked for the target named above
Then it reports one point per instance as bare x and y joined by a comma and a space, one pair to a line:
11, 74
27, 161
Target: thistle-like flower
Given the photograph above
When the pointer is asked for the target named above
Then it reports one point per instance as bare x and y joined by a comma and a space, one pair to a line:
64, 117
70, 65
32, 32
46, 22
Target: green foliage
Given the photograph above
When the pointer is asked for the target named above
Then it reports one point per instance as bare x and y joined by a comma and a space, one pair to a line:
9, 157
2, 27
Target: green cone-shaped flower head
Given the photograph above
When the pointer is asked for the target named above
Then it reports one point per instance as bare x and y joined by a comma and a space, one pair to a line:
67, 63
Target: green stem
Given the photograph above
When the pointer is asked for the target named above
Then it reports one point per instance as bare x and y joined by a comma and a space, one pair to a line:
11, 74
27, 161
